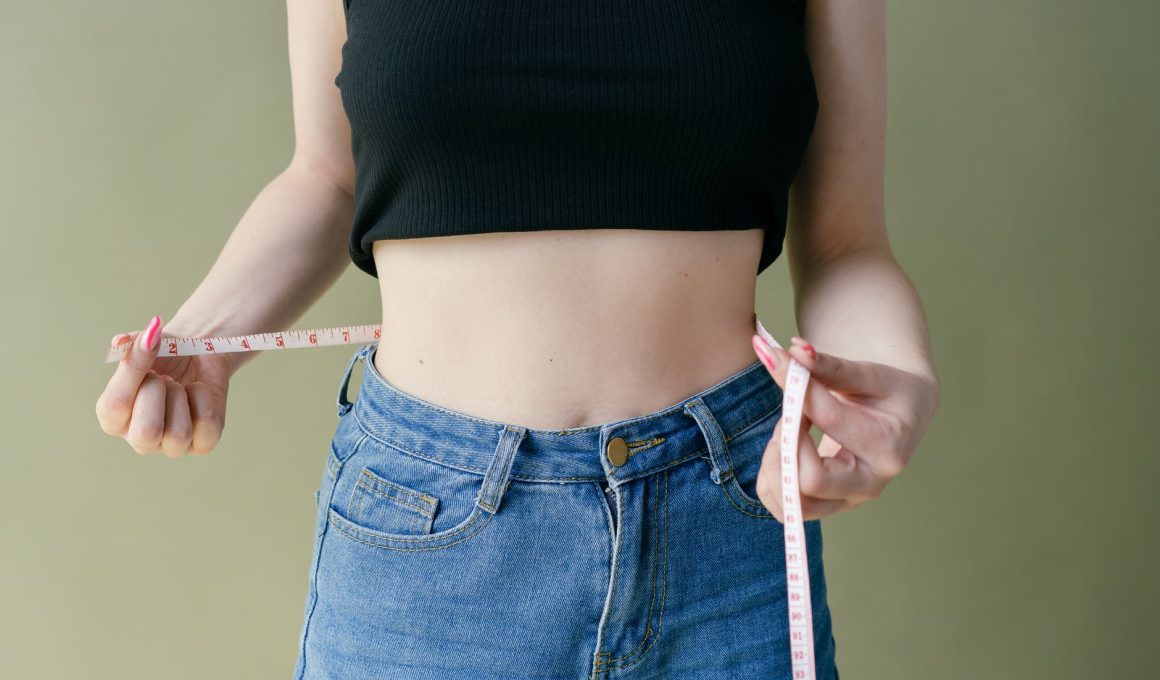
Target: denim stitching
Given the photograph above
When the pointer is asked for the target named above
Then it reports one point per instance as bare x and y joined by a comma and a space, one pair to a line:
474, 470
729, 496
704, 449
355, 503
382, 536
477, 523
745, 428
636, 447
742, 496
365, 489
664, 588
607, 511
734, 487
489, 506
489, 482
370, 481
421, 524
601, 667
652, 602
503, 449
733, 491
613, 575
728, 437
648, 632
313, 581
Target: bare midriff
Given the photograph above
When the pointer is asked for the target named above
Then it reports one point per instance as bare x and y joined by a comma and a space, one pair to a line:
565, 328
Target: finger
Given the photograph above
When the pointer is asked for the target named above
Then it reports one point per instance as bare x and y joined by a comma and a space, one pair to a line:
817, 508
768, 485
148, 420
115, 405
838, 477
178, 427
848, 422
770, 491
772, 363
847, 375
206, 421
829, 447
776, 361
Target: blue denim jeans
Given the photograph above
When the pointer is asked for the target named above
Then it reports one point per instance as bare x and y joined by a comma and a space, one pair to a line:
452, 547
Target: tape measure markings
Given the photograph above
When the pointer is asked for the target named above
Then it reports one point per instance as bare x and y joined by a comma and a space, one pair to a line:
310, 337
797, 574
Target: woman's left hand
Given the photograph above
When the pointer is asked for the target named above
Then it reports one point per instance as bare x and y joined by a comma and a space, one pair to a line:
871, 416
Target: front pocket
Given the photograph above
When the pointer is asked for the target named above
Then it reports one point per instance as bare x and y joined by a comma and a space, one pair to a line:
746, 450
396, 499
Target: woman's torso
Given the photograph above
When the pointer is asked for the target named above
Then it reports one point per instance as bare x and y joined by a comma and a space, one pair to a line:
558, 329
678, 116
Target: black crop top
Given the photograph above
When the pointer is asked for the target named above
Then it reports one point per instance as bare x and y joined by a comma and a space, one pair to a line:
508, 115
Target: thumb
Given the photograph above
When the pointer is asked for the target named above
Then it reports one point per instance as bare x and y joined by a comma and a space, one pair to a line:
846, 375
143, 352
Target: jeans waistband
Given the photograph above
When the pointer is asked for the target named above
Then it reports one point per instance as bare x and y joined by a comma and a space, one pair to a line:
698, 425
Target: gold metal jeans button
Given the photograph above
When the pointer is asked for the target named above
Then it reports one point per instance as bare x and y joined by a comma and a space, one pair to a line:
617, 451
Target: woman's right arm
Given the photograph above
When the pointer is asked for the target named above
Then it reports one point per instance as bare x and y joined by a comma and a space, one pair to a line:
288, 248
290, 245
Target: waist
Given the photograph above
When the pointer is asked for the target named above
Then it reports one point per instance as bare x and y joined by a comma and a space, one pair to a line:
549, 333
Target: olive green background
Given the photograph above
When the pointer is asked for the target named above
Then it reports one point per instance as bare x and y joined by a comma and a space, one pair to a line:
1022, 187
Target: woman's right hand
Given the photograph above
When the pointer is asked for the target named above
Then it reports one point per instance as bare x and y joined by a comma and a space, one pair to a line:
173, 405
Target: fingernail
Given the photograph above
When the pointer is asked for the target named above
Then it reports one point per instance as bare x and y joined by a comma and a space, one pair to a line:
151, 336
806, 346
166, 377
764, 353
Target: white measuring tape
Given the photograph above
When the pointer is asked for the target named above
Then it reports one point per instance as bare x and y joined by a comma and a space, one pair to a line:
797, 572
797, 575
310, 337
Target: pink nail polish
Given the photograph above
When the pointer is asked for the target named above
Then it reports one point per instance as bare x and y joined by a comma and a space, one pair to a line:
764, 353
801, 342
149, 339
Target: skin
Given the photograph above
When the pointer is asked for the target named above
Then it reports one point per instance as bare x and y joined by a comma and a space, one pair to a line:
558, 329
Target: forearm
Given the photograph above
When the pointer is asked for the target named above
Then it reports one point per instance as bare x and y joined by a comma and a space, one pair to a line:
862, 306
288, 248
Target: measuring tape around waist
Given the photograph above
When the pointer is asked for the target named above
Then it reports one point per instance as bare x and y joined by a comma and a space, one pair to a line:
310, 337
796, 563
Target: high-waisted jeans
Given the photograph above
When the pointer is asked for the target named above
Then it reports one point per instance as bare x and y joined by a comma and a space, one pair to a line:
453, 547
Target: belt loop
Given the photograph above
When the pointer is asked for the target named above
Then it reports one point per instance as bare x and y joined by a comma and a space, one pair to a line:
341, 402
495, 481
718, 449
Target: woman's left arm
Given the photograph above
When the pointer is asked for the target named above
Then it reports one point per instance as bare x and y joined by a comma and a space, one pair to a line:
873, 389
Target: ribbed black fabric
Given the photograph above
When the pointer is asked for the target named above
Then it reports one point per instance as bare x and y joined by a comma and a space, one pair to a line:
472, 116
